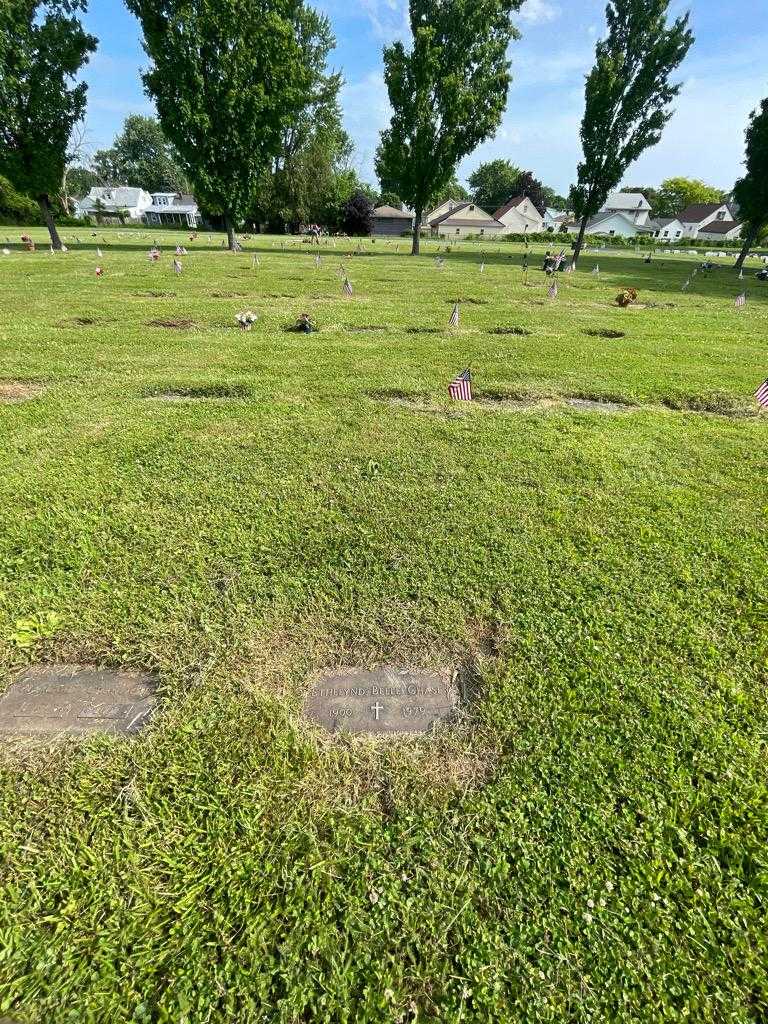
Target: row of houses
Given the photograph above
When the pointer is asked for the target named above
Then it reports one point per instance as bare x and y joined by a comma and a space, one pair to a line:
137, 206
624, 215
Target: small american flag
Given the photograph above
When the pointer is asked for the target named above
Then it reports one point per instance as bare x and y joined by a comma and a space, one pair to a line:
460, 387
317, 261
552, 293
98, 253
741, 275
176, 267
236, 246
454, 320
762, 395
686, 285
482, 268
741, 300
569, 269
439, 262
596, 271
347, 287
255, 261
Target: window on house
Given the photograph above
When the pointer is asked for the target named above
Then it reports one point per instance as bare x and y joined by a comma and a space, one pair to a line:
612, 232
721, 215
471, 207
458, 231
482, 231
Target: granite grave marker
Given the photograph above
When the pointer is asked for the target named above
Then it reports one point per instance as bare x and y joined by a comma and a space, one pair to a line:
383, 701
76, 700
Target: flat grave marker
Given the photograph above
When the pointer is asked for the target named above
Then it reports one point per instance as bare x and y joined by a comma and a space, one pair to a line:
382, 701
76, 700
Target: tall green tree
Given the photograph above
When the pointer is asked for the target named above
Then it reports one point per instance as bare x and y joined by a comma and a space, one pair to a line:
493, 183
447, 93
751, 192
628, 97
315, 148
42, 48
675, 194
141, 155
227, 77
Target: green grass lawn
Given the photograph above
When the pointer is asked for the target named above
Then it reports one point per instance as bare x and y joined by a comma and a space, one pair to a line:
587, 842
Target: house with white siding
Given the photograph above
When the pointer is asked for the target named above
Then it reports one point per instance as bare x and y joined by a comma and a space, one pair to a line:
698, 216
633, 205
465, 220
520, 217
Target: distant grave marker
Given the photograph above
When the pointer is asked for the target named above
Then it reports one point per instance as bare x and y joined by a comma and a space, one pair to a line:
384, 701
76, 700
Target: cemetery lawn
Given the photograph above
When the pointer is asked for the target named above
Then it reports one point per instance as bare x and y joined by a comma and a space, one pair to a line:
587, 842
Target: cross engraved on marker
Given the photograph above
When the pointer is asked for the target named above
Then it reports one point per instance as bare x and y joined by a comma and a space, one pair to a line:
377, 709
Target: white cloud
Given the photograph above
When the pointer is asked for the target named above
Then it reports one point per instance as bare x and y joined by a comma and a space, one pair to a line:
366, 112
389, 18
538, 12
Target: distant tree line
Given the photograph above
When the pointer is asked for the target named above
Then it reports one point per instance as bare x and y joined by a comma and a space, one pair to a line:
248, 113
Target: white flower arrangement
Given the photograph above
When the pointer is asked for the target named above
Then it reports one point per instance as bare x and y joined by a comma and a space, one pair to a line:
247, 319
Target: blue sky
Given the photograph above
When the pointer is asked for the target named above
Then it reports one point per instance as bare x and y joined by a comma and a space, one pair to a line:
724, 76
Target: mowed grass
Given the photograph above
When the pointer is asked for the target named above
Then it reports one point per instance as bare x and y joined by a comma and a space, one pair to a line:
587, 842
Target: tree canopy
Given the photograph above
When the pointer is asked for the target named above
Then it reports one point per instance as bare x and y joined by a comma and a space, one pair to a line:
43, 46
358, 214
675, 194
142, 156
493, 183
228, 78
628, 97
751, 191
448, 94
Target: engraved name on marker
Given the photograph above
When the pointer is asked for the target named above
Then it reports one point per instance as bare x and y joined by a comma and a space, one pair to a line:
76, 700
384, 701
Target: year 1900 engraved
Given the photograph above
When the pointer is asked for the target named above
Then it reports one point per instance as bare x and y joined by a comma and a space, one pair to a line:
341, 712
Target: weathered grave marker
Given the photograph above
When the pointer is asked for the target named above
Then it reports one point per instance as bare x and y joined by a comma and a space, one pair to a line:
384, 701
76, 700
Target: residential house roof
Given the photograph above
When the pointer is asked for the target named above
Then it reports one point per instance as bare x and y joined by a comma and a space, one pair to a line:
626, 201
720, 227
391, 213
698, 212
454, 220
511, 205
119, 196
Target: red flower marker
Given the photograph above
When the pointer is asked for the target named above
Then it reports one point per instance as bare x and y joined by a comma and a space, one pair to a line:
99, 272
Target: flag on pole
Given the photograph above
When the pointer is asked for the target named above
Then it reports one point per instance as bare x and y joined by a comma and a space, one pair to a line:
347, 287
439, 262
98, 253
255, 261
596, 271
460, 387
569, 269
552, 293
482, 268
741, 274
455, 316
686, 285
741, 300
762, 395
176, 267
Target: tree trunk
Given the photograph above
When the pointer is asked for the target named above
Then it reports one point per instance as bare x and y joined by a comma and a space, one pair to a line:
416, 247
229, 228
749, 241
45, 209
580, 239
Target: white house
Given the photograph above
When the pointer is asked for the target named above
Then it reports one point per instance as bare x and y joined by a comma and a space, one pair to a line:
519, 216
669, 229
554, 219
633, 205
616, 224
721, 231
700, 215
439, 211
172, 208
119, 202
465, 220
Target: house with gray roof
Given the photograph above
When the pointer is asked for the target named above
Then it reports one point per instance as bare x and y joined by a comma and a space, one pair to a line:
388, 220
114, 203
465, 220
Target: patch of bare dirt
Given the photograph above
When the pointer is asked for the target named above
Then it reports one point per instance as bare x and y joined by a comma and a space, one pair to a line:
173, 325
19, 391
